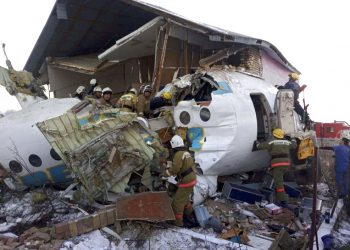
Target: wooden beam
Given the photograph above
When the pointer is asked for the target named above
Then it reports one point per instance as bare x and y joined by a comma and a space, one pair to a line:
162, 58
186, 54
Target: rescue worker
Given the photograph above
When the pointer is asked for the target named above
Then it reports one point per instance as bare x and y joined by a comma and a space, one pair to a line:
128, 101
293, 85
93, 84
181, 167
143, 102
80, 93
342, 161
278, 148
96, 94
106, 99
160, 101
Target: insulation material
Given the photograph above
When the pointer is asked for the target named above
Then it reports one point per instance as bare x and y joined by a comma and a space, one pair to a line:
101, 147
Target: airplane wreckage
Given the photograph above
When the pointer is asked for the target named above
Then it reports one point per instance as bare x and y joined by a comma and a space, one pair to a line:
223, 99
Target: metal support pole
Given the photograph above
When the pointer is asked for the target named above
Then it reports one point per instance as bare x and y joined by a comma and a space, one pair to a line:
314, 195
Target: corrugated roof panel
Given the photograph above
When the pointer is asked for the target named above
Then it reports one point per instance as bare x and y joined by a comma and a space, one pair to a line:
125, 16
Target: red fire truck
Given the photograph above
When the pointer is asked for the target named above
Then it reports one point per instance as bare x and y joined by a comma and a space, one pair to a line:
329, 133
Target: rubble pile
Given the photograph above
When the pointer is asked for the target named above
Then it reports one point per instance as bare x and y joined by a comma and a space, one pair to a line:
26, 218
341, 233
34, 221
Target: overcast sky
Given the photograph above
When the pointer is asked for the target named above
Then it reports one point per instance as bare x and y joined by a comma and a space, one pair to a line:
313, 35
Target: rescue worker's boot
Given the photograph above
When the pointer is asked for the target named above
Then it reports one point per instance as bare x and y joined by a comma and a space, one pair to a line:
189, 219
178, 220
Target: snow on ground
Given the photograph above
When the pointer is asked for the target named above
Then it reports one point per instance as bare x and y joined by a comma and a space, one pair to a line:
144, 236
341, 232
141, 237
18, 211
90, 241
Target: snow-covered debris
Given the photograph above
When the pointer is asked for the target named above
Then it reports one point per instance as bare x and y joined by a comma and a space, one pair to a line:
4, 227
342, 230
91, 241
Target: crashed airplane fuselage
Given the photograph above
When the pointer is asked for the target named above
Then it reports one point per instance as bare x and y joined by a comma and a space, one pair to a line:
223, 110
228, 103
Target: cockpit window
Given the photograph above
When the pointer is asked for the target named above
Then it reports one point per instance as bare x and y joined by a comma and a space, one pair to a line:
185, 117
204, 114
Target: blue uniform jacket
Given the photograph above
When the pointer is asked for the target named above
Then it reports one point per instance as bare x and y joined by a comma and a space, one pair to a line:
293, 86
342, 157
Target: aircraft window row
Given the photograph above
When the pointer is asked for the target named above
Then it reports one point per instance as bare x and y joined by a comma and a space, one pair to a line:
34, 160
204, 114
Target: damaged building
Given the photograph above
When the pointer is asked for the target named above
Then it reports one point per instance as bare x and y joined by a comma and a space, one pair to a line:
128, 42
223, 99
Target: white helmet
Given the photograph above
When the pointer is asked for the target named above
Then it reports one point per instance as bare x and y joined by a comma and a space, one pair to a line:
80, 90
176, 142
133, 90
93, 81
98, 89
106, 90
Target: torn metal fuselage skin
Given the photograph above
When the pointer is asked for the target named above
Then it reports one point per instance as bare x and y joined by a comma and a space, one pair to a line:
101, 147
222, 108
21, 84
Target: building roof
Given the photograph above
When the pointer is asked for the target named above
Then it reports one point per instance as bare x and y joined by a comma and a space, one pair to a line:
78, 27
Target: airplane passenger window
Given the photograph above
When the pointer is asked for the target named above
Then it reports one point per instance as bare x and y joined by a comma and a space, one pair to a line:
54, 155
185, 117
35, 160
204, 114
15, 166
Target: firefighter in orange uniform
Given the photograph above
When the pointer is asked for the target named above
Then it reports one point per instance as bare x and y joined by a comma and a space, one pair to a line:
182, 167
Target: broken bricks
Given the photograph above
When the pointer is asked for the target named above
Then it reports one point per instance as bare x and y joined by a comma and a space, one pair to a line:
84, 224
151, 206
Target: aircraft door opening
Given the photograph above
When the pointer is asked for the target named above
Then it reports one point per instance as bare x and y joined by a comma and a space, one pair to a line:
262, 112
